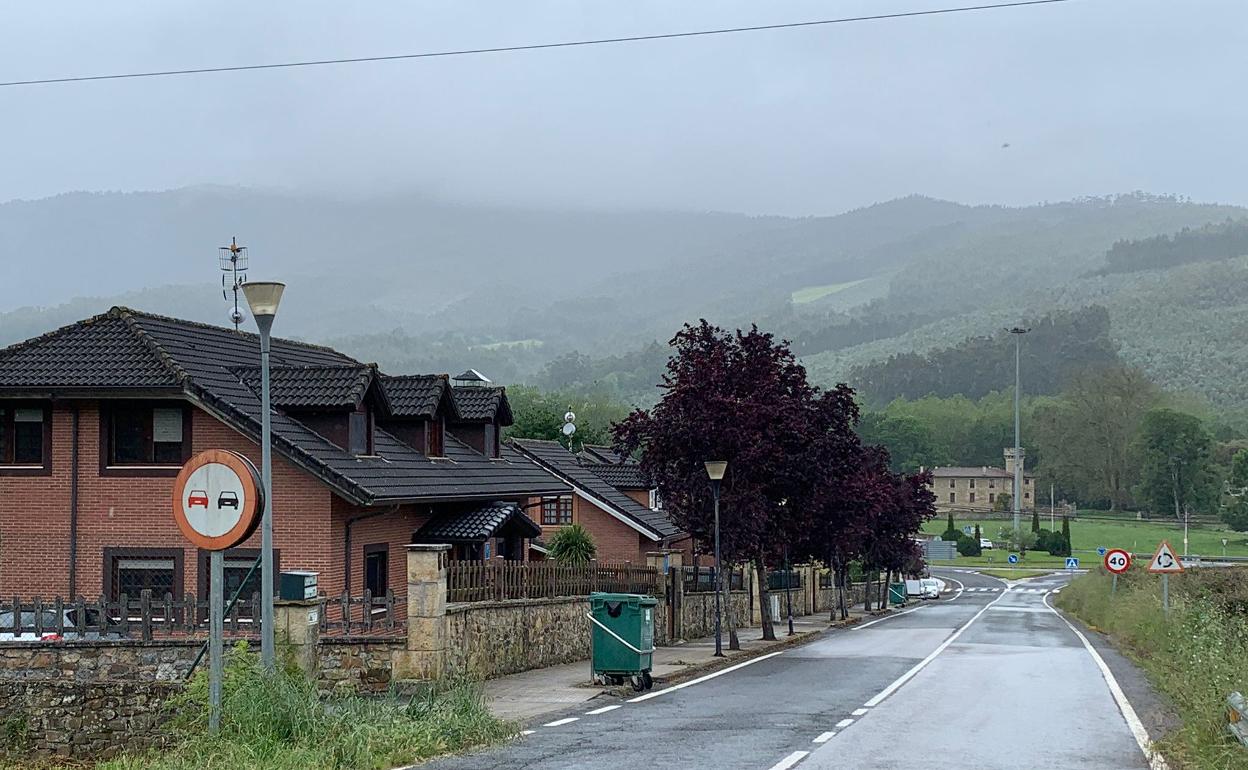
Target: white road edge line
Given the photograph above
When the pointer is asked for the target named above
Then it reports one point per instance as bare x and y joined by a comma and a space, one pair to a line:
841, 725
1155, 760
702, 679
824, 737
890, 616
603, 710
527, 732
859, 712
906, 677
561, 722
790, 760
961, 587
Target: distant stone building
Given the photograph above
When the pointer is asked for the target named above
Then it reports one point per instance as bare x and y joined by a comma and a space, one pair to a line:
979, 488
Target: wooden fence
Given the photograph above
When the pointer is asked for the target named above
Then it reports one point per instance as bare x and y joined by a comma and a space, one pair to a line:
475, 581
147, 617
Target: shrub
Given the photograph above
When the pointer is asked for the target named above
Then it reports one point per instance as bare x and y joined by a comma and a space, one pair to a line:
573, 545
969, 546
951, 534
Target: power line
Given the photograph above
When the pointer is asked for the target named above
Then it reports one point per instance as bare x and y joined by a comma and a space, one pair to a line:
531, 47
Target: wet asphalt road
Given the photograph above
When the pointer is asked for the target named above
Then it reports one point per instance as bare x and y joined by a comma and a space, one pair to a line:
989, 679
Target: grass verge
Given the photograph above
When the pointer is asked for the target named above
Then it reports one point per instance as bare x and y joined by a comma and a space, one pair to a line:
1195, 658
280, 723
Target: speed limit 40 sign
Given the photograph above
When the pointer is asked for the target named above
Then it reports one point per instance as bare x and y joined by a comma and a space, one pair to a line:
1117, 561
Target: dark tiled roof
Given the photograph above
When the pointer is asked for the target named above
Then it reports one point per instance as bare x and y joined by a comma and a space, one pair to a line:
480, 403
558, 460
476, 524
324, 387
414, 395
603, 454
202, 361
628, 476
978, 472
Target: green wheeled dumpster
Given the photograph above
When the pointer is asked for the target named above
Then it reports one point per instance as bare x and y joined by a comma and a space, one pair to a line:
897, 594
622, 634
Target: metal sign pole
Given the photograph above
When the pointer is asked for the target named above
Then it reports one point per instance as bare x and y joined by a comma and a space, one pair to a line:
1114, 588
1165, 594
216, 651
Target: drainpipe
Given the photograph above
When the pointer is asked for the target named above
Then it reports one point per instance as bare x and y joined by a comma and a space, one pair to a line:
346, 555
73, 510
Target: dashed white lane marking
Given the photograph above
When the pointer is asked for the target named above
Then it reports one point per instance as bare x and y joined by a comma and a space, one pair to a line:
527, 732
790, 760
560, 722
858, 712
824, 737
841, 725
906, 677
602, 710
702, 679
1155, 760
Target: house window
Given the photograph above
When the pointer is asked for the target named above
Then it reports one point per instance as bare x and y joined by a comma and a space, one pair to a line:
557, 510
130, 571
1026, 495
359, 436
992, 484
972, 497
435, 436
376, 568
953, 497
952, 483
656, 501
147, 435
25, 435
992, 498
972, 483
237, 563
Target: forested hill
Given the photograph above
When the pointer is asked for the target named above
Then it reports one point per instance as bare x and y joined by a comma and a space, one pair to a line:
1058, 346
1222, 240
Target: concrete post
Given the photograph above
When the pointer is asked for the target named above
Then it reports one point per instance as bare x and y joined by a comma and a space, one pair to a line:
426, 613
296, 630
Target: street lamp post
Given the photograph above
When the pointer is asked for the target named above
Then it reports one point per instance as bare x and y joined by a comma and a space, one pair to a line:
263, 298
715, 470
1018, 333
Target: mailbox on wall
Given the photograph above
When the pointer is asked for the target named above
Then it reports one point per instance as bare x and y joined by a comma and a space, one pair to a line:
299, 585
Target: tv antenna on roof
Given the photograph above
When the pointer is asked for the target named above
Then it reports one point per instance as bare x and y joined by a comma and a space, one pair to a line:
233, 261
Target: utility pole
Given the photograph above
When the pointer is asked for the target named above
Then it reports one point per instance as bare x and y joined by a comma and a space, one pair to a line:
1051, 507
1017, 501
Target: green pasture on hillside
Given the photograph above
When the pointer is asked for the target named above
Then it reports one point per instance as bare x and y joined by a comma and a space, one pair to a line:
812, 293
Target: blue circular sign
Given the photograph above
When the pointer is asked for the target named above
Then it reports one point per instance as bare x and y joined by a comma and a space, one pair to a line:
1013, 558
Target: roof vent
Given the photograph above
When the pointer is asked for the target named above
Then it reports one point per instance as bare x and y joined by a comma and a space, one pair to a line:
471, 379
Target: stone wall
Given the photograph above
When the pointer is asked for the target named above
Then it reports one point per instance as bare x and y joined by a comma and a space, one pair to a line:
697, 612
488, 639
81, 720
83, 662
357, 663
825, 598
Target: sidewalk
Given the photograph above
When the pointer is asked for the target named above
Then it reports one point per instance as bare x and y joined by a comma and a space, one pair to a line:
529, 694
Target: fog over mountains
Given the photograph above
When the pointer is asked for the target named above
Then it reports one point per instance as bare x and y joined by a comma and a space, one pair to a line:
418, 283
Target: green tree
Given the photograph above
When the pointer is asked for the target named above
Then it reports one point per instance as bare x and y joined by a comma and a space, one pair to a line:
1235, 514
951, 533
1065, 535
1035, 520
539, 414
978, 536
573, 545
1004, 502
1175, 461
1086, 437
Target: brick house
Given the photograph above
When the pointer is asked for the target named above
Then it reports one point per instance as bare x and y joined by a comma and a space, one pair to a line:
979, 488
97, 417
609, 496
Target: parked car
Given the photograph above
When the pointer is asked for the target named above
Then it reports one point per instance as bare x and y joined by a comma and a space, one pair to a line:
931, 588
985, 544
49, 632
197, 497
227, 499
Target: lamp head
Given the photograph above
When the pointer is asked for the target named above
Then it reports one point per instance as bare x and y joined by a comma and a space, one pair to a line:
716, 469
263, 297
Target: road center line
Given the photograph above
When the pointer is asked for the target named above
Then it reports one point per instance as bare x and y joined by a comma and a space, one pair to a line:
790, 760
859, 712
602, 710
906, 677
841, 725
889, 616
561, 722
824, 737
702, 679
1155, 760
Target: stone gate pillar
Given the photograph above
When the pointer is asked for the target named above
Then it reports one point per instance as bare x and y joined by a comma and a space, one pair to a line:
426, 613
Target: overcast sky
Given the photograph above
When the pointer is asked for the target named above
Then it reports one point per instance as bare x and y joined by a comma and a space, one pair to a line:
1092, 97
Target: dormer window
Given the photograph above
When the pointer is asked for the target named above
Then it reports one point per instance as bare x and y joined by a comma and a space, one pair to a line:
434, 439
491, 440
360, 433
